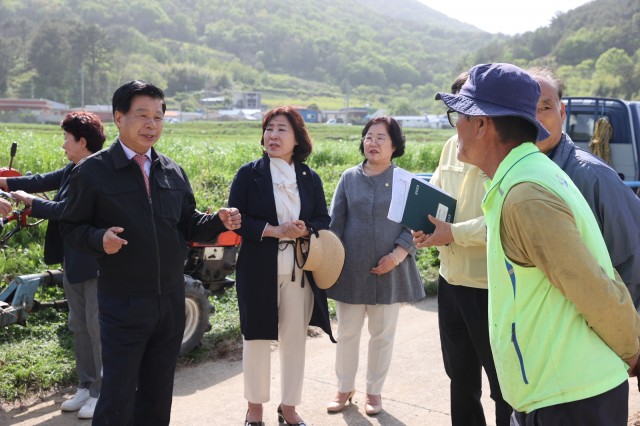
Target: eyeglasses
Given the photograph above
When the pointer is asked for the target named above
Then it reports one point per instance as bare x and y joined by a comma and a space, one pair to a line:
378, 140
452, 116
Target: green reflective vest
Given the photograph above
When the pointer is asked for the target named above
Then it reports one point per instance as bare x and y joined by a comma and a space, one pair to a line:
545, 353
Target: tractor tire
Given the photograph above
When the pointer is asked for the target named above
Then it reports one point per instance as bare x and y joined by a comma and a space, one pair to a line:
197, 311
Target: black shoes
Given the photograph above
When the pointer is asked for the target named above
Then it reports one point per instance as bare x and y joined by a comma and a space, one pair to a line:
283, 421
248, 423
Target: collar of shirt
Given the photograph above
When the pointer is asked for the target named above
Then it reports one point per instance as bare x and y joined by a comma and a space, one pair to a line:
130, 153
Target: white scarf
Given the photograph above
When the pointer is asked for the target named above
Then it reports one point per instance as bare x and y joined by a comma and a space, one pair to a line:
287, 197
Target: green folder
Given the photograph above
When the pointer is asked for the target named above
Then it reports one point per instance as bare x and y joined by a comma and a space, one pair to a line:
423, 200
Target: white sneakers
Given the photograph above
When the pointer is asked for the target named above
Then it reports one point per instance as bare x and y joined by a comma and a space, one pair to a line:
78, 400
86, 412
81, 401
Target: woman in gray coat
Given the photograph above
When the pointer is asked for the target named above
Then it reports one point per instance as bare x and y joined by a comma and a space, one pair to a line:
380, 270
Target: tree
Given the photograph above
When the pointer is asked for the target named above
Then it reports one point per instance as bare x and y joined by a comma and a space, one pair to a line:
635, 78
398, 71
578, 79
404, 108
149, 16
614, 69
366, 72
223, 81
91, 49
187, 77
577, 46
5, 65
50, 56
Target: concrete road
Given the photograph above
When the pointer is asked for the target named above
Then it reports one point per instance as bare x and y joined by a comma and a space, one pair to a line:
416, 391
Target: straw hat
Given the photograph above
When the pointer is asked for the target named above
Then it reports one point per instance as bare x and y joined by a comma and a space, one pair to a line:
323, 255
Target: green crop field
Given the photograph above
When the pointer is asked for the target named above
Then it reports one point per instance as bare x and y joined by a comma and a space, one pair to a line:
38, 357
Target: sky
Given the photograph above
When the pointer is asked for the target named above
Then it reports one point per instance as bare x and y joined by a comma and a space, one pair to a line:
504, 16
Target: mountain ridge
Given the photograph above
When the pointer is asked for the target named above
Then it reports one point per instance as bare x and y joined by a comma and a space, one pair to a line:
330, 53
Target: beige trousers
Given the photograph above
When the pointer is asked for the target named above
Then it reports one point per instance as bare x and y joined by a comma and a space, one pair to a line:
382, 331
295, 305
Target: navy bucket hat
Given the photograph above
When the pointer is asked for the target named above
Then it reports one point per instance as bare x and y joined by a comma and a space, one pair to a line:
498, 90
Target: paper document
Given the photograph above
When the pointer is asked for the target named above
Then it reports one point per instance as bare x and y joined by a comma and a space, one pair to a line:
414, 198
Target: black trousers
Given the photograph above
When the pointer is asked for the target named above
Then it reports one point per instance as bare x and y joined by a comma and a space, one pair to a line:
607, 409
141, 338
464, 338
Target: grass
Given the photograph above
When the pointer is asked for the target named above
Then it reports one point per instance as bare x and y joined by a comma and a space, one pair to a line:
39, 357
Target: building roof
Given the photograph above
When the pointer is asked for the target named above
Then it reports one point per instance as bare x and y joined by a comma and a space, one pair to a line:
17, 104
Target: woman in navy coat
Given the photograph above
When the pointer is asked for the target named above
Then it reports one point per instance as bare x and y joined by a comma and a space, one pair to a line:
280, 199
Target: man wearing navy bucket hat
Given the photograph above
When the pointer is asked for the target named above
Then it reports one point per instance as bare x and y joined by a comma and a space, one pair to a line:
563, 329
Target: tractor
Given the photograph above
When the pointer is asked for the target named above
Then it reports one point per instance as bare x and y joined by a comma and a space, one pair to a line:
206, 271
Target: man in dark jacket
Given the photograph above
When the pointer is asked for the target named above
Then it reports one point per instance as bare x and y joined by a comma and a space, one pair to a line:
83, 136
615, 206
134, 209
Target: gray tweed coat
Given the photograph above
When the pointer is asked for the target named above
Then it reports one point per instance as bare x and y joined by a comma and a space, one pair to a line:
359, 217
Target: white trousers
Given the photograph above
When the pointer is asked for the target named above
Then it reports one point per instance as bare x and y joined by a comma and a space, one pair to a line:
382, 331
295, 305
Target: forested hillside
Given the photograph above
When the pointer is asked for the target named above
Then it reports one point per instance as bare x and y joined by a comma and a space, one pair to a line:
392, 55
298, 49
595, 49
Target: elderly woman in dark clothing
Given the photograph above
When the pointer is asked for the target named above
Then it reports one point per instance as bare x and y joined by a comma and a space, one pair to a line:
380, 270
279, 198
83, 135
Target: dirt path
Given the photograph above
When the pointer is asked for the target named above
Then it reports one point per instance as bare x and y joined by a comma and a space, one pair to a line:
211, 393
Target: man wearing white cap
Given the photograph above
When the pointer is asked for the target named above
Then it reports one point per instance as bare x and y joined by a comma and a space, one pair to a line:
563, 329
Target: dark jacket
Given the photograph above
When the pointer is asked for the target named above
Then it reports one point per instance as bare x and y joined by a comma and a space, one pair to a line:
615, 206
107, 189
79, 267
257, 267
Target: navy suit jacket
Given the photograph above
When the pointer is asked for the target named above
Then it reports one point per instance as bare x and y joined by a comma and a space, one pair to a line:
257, 267
78, 266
